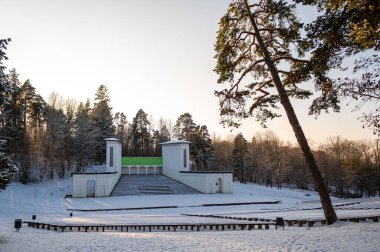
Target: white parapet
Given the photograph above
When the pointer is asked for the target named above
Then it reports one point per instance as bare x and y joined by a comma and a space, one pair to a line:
208, 181
175, 156
176, 165
94, 184
100, 184
113, 157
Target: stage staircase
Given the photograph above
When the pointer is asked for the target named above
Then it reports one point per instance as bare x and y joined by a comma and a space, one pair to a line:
150, 185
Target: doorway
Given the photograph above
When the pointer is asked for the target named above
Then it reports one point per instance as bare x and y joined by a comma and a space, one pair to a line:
90, 191
220, 185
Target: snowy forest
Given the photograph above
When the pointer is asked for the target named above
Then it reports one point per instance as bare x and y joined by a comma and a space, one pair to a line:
49, 139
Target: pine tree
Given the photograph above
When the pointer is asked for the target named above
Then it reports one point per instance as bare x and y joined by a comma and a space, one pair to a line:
140, 133
21, 118
202, 148
184, 127
26, 102
346, 29
37, 113
14, 126
102, 119
14, 119
239, 153
85, 136
5, 86
8, 168
253, 52
68, 135
36, 131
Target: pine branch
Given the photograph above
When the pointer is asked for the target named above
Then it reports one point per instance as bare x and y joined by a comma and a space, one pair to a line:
249, 69
291, 59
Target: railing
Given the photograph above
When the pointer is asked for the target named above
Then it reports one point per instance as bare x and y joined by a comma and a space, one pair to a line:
264, 224
290, 222
151, 228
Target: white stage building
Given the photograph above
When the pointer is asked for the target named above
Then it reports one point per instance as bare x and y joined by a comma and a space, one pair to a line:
175, 166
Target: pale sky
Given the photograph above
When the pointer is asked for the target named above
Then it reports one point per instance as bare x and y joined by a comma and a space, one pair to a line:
157, 55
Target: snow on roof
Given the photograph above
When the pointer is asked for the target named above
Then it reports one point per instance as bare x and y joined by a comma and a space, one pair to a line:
112, 139
177, 142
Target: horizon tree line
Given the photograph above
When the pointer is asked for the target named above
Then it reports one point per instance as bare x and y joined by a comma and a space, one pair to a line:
350, 168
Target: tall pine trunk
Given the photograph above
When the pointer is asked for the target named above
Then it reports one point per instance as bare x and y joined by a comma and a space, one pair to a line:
320, 186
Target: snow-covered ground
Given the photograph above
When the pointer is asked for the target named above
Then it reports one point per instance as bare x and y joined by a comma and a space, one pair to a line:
341, 237
48, 203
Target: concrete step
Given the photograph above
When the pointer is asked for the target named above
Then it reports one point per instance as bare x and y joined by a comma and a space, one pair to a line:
153, 188
150, 185
155, 192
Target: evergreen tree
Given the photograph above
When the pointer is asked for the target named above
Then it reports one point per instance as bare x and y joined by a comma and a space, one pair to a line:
36, 133
184, 127
344, 26
14, 119
5, 86
20, 116
27, 101
202, 148
37, 113
347, 28
239, 152
85, 136
14, 125
8, 168
103, 120
68, 136
253, 52
140, 133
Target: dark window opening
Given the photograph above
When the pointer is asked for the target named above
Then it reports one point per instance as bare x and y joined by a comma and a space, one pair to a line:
111, 156
184, 158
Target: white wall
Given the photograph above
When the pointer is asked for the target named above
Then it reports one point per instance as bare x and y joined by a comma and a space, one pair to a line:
116, 145
173, 159
104, 182
173, 167
141, 170
173, 164
207, 182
